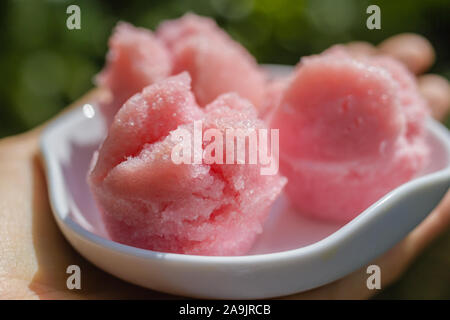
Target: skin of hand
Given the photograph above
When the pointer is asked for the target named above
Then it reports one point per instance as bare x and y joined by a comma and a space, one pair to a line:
34, 255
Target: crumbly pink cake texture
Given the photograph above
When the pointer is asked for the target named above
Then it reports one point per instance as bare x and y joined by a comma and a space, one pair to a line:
190, 24
150, 202
351, 130
136, 59
216, 63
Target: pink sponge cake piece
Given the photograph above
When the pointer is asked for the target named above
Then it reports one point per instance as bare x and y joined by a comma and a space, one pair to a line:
145, 118
136, 59
339, 110
344, 136
150, 202
173, 31
414, 105
216, 63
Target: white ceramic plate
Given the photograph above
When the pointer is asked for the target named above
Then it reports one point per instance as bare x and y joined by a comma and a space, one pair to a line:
293, 254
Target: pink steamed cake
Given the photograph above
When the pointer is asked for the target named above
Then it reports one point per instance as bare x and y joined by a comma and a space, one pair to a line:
350, 131
149, 202
413, 104
216, 63
173, 31
136, 59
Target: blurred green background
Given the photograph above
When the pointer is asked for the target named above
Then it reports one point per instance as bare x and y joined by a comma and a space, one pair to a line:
44, 66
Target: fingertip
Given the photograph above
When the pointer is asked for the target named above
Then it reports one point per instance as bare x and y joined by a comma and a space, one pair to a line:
414, 50
436, 90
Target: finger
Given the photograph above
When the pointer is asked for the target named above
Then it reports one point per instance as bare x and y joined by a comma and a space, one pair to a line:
434, 225
396, 261
436, 90
415, 51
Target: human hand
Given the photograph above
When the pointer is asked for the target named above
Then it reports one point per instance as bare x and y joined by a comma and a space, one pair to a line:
34, 255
